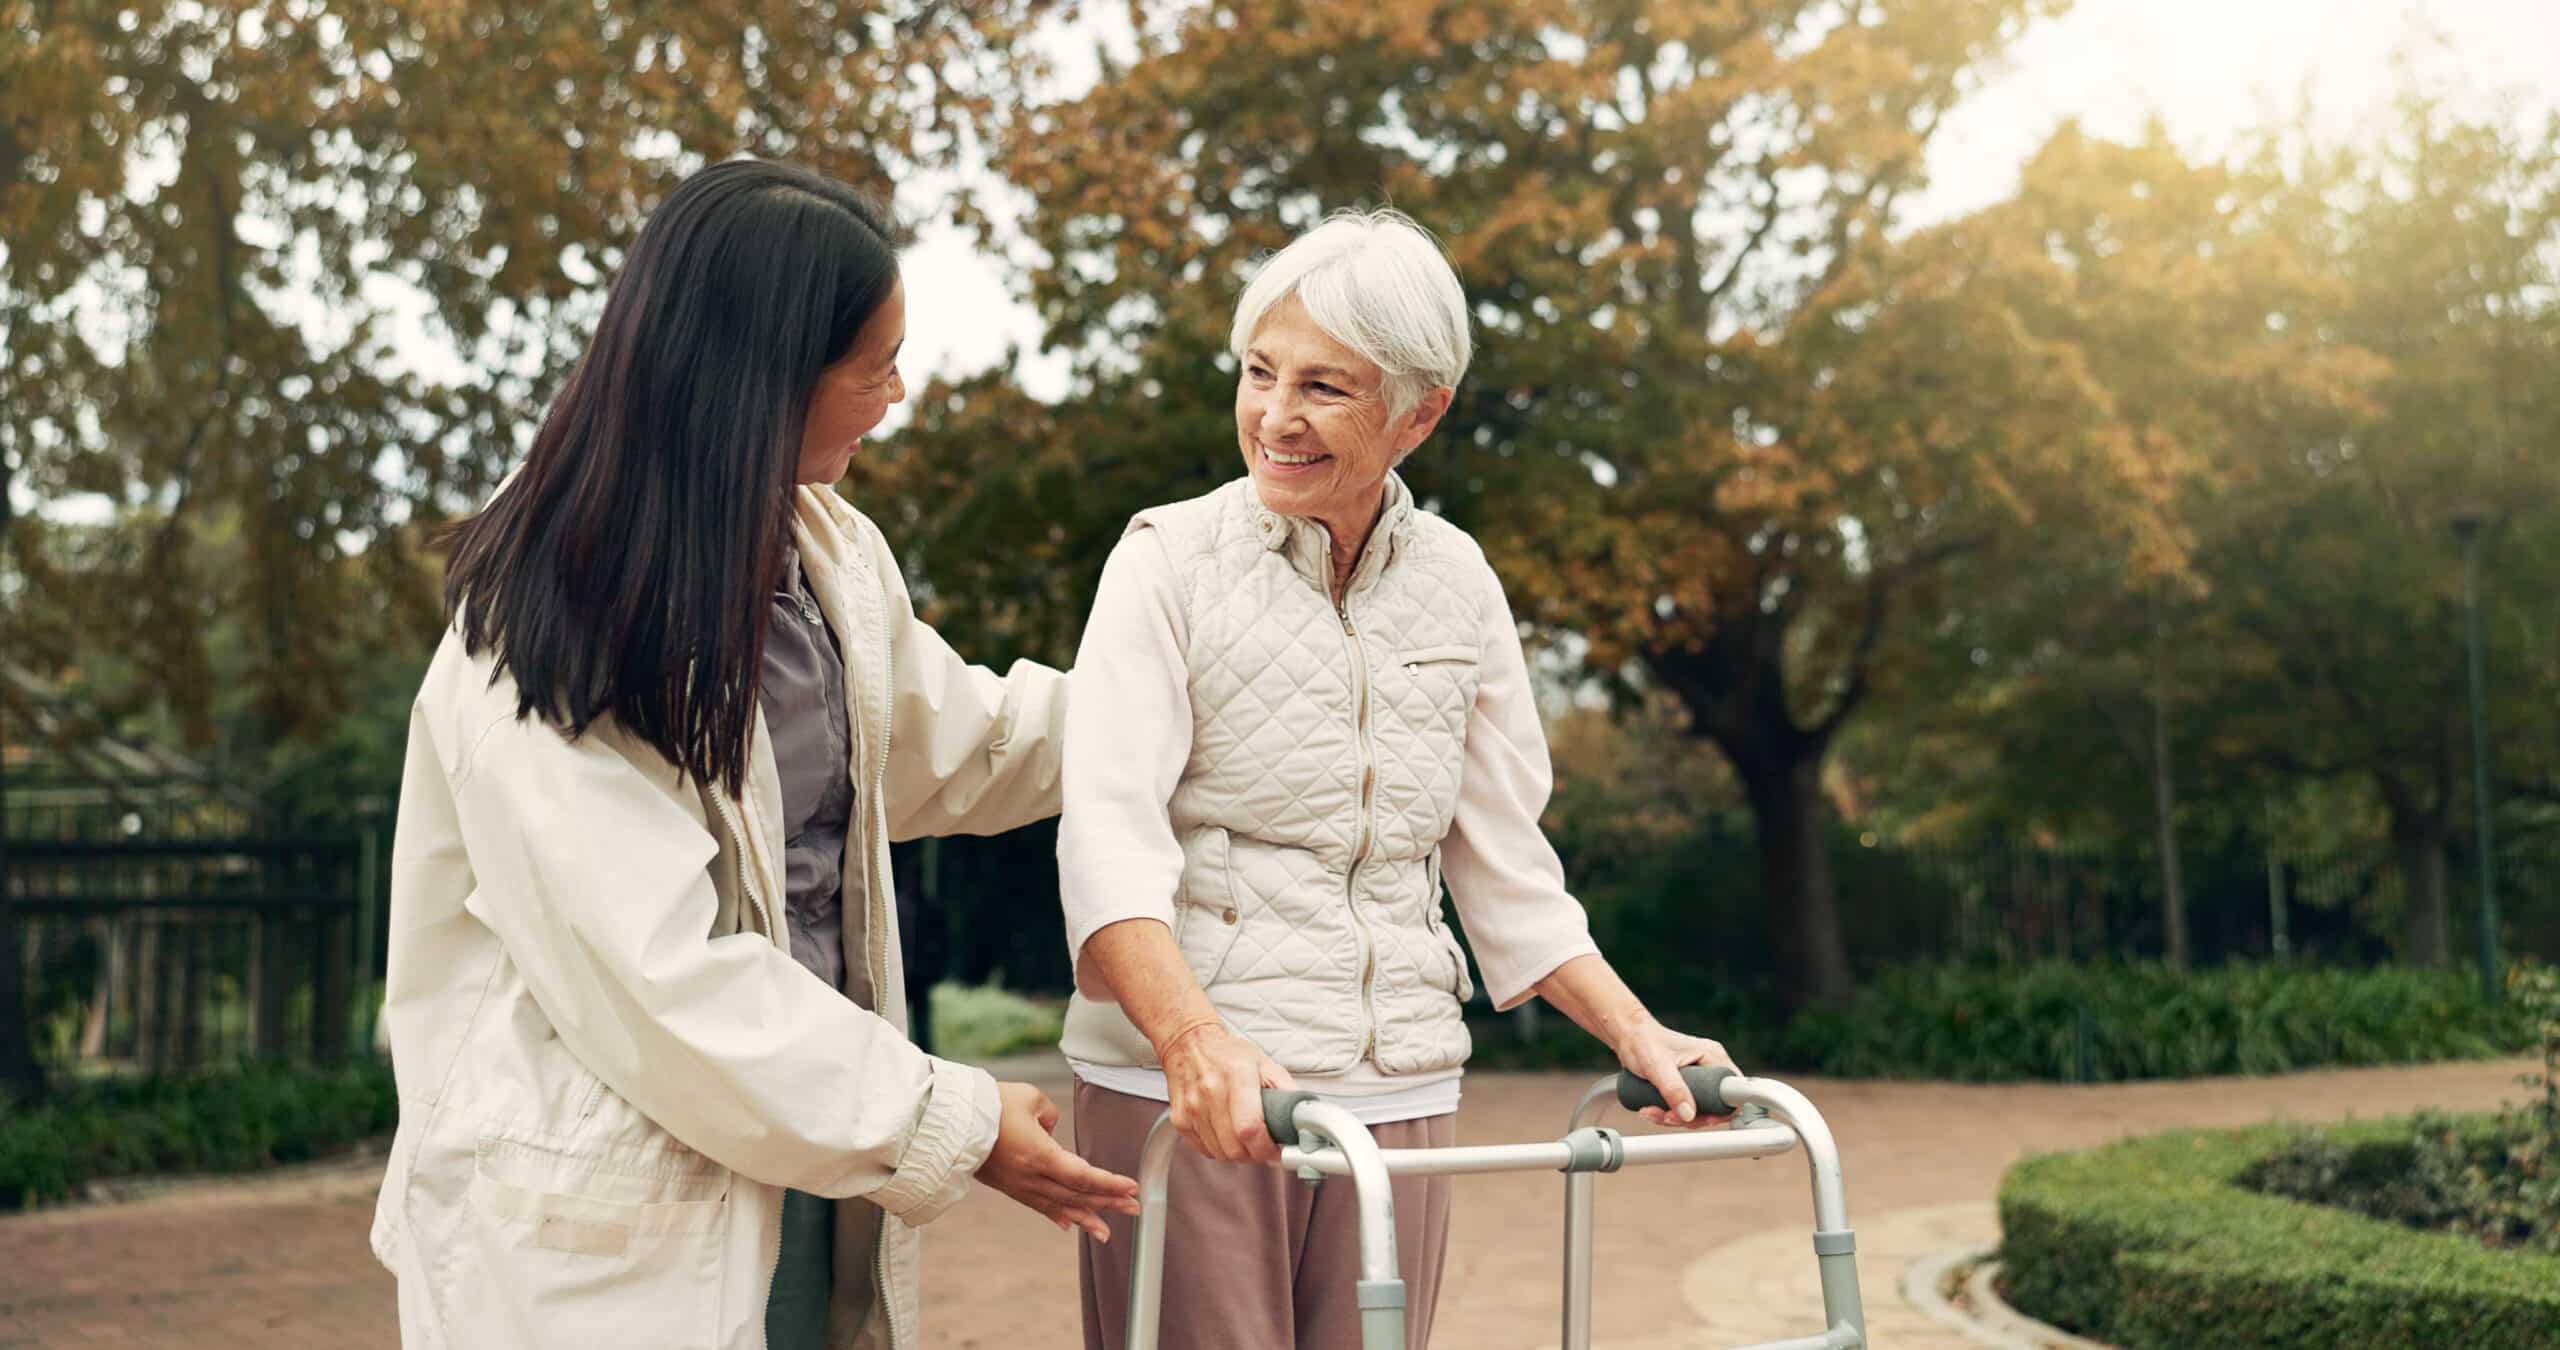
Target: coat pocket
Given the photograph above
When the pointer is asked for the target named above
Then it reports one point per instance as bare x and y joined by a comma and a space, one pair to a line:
561, 1248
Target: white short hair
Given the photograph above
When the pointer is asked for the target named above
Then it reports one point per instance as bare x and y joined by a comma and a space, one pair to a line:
1375, 282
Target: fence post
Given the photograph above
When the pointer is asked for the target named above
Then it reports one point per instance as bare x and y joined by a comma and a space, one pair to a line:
368, 898
198, 967
329, 988
177, 992
266, 986
2279, 929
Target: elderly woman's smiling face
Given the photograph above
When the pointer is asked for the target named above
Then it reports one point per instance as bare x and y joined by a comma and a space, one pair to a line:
1313, 421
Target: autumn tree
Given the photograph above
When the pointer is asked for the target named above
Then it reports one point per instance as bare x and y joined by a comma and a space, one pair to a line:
214, 213
1721, 428
2343, 570
2313, 646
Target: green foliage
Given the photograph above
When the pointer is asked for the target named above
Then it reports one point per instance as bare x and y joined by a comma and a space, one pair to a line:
254, 1115
2155, 1243
2535, 988
2148, 1021
1970, 1024
2497, 1182
984, 1022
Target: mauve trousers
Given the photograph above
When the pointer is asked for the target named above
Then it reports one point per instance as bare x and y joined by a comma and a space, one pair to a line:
1256, 1259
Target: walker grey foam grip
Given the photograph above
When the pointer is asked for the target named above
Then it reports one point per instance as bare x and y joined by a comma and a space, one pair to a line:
1706, 1083
1280, 1114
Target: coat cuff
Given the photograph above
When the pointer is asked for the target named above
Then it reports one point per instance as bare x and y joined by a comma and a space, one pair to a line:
952, 1138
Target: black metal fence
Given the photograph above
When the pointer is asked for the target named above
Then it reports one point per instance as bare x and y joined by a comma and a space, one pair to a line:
149, 955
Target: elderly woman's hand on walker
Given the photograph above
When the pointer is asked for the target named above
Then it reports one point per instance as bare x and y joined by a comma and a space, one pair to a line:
1587, 990
1216, 1078
1213, 1076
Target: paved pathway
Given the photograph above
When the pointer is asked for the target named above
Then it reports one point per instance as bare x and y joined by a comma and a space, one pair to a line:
1689, 1258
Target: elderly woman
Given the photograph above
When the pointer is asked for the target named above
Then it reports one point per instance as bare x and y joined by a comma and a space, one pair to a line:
1302, 709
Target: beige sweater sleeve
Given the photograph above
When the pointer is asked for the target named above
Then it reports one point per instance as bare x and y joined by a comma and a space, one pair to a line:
1128, 736
1502, 872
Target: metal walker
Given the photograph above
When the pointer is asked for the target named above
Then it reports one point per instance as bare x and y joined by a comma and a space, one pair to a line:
1320, 1139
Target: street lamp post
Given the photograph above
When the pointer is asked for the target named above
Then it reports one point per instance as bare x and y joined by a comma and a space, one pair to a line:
2467, 526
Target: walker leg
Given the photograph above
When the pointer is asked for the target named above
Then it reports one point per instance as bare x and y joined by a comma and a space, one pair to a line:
1577, 1261
1577, 1228
1146, 1265
1382, 1292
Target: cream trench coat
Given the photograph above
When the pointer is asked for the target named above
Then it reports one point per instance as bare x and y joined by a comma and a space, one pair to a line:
609, 1065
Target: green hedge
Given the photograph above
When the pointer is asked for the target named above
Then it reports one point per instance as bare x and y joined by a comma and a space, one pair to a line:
255, 1115
2154, 1243
2148, 1021
2094, 1023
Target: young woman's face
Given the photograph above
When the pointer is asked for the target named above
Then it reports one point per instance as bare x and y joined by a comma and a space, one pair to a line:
855, 393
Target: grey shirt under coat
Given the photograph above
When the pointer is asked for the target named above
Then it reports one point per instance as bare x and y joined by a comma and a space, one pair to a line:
802, 693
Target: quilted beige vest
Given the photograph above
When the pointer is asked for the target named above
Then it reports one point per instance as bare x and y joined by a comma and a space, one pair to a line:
1325, 750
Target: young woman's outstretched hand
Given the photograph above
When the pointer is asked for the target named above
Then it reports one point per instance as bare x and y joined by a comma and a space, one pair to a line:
1029, 1165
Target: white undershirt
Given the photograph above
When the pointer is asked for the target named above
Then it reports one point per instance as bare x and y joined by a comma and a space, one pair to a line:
1372, 1098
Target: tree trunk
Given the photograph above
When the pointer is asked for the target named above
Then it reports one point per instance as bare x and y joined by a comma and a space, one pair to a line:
2164, 803
1804, 908
2419, 842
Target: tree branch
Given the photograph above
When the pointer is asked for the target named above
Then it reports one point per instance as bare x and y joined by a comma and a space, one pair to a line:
1769, 215
1852, 678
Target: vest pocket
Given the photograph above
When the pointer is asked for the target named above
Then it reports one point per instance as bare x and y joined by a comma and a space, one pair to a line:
1458, 985
1447, 654
1443, 680
1211, 911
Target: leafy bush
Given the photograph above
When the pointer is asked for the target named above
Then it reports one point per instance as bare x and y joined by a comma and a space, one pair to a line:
2156, 1243
984, 1022
2105, 1023
258, 1114
2098, 1023
2497, 1180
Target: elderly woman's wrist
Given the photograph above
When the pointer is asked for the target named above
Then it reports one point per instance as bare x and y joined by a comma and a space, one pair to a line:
1186, 1031
1625, 1029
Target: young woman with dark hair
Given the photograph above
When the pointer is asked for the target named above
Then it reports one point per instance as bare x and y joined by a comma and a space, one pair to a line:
644, 999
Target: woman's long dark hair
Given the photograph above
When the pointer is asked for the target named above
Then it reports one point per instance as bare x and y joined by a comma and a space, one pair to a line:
628, 567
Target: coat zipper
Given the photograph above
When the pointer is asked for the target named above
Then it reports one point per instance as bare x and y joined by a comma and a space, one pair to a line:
874, 888
1360, 851
738, 831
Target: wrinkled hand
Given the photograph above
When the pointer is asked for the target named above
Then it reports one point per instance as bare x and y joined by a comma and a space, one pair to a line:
1656, 1053
1215, 1078
1029, 1165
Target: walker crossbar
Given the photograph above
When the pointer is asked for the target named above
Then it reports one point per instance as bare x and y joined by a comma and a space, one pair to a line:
1322, 1139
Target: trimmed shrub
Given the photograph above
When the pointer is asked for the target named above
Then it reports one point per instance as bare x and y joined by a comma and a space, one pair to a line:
256, 1115
2109, 1023
2156, 1243
2093, 1023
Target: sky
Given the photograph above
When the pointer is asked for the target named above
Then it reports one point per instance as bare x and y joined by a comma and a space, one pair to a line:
2210, 69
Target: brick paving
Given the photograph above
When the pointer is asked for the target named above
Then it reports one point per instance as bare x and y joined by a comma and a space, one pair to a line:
280, 1262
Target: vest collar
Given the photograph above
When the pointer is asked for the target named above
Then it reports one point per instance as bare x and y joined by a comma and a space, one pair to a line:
1308, 545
